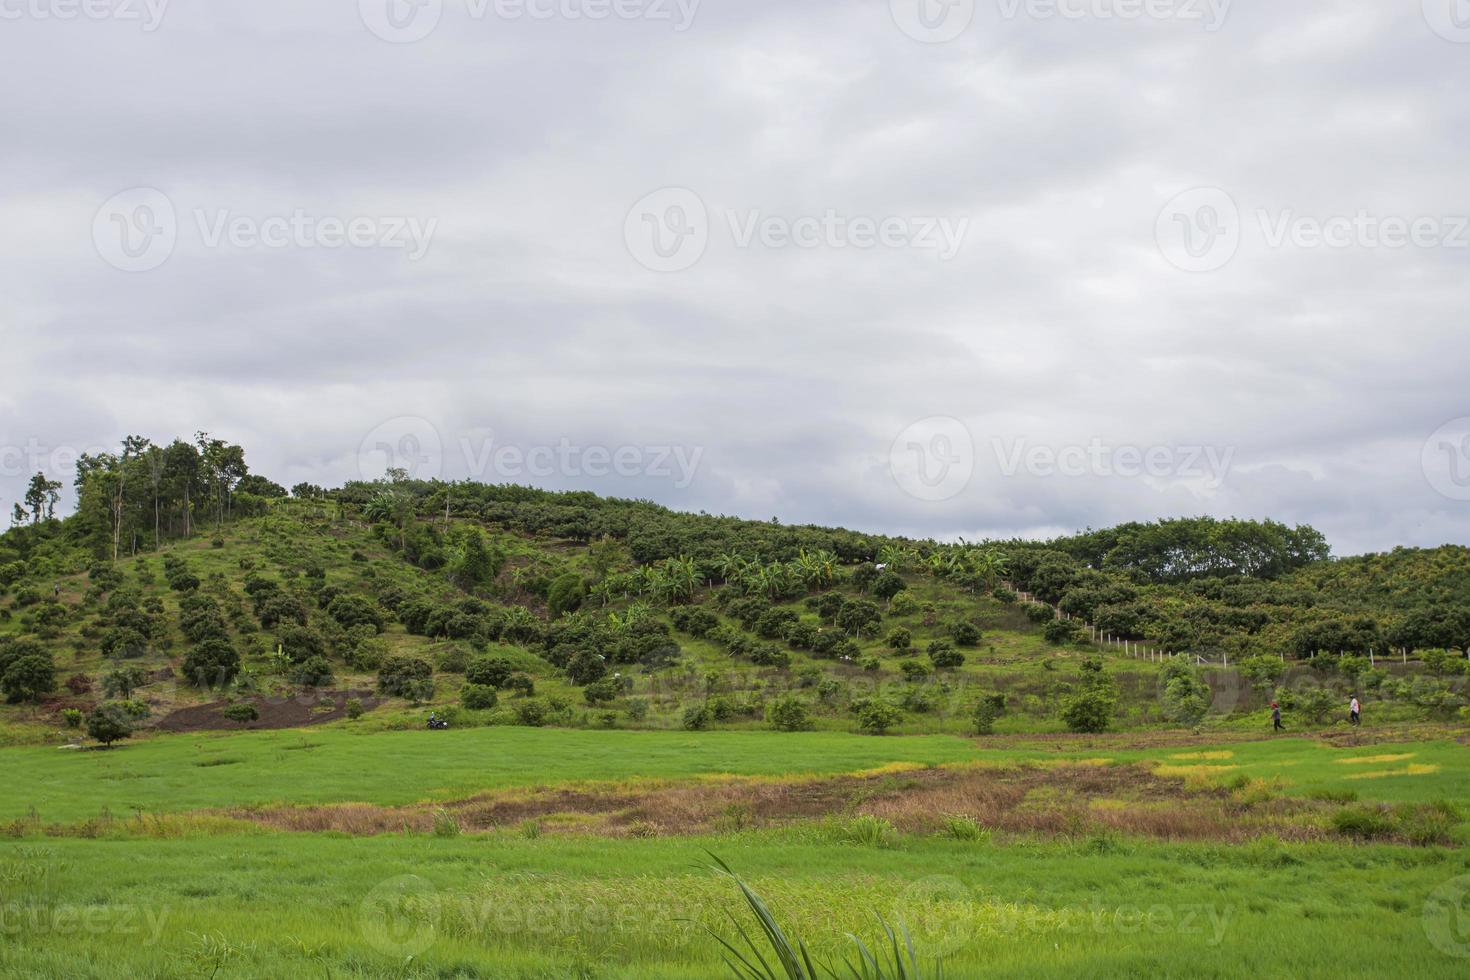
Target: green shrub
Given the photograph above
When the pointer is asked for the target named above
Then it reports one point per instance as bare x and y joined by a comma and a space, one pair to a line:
531, 713
72, 717
242, 712
404, 677
478, 697
489, 671
876, 716
788, 714
354, 708
696, 718
1089, 709
109, 723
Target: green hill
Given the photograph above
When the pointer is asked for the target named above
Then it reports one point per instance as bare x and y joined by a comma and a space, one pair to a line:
187, 593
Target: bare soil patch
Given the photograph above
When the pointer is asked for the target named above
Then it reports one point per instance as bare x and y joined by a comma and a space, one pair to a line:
296, 712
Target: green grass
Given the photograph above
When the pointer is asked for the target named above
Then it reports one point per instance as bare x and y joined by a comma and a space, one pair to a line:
506, 906
331, 764
172, 773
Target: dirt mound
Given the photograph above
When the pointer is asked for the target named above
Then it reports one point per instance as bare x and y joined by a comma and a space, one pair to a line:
295, 712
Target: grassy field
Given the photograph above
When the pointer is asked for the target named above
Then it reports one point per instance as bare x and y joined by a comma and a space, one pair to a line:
509, 907
194, 896
171, 774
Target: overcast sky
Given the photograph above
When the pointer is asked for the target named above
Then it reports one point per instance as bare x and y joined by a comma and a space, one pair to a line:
981, 269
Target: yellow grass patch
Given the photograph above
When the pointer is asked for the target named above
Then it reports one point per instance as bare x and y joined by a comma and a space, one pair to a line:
1419, 770
890, 769
1192, 771
1374, 759
1070, 763
1204, 756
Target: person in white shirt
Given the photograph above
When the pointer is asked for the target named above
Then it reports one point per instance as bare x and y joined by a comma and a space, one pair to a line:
1354, 710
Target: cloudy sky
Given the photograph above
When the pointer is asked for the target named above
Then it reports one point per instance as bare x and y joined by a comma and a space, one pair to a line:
940, 268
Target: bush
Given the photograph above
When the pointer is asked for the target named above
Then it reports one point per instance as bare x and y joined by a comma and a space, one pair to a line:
124, 643
28, 678
915, 671
695, 620
354, 708
1185, 696
565, 594
404, 677
109, 723
965, 634
876, 716
1090, 709
1262, 672
605, 691
1038, 613
301, 643
121, 683
489, 671
356, 610
788, 714
900, 639
1061, 631
944, 656
987, 712
243, 712
696, 718
531, 713
311, 672
213, 663
478, 697
585, 668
